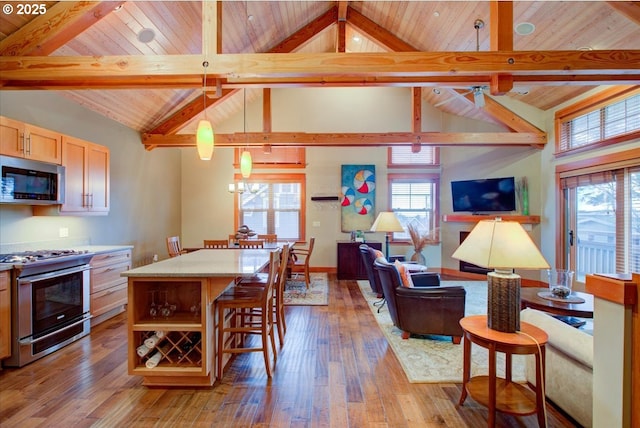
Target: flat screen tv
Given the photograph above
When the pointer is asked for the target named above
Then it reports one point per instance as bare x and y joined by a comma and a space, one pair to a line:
485, 195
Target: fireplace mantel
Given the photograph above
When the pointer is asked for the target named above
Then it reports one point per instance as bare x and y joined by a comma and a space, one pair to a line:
471, 218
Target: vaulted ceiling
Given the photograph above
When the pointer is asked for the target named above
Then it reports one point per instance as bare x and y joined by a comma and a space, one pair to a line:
141, 62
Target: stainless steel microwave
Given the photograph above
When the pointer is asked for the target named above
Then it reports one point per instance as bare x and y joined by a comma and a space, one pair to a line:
29, 182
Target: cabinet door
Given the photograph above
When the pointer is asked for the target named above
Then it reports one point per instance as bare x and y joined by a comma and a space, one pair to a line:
74, 158
5, 315
11, 137
43, 145
98, 178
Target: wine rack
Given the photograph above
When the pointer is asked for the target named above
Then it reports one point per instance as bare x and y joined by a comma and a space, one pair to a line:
177, 349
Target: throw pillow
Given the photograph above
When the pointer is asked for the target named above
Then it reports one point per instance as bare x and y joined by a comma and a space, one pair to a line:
404, 274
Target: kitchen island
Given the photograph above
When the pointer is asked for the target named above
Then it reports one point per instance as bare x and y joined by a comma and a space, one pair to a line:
172, 313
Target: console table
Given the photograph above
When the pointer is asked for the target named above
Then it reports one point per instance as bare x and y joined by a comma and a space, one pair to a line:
350, 265
502, 394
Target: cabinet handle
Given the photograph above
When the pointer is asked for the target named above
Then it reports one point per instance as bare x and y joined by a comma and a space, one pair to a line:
28, 145
91, 200
22, 145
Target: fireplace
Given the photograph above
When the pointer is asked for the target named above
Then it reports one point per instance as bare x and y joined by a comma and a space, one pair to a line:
469, 267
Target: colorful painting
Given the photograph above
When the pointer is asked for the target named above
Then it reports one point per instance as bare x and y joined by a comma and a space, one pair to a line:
358, 197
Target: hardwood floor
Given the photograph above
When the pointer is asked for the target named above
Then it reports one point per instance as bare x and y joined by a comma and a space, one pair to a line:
335, 370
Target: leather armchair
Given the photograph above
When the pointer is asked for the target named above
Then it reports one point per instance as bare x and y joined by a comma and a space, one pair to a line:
368, 257
425, 310
420, 279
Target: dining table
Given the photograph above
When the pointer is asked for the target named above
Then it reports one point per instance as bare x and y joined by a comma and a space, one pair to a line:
172, 312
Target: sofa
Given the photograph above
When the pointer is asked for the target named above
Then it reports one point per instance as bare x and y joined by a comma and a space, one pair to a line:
568, 368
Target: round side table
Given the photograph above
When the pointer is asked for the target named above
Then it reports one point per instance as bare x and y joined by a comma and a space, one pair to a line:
502, 394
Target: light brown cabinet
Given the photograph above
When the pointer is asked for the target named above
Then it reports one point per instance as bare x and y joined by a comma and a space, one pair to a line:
5, 315
185, 354
87, 177
108, 288
22, 140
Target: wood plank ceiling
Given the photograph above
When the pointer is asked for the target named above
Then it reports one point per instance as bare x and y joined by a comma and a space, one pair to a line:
140, 62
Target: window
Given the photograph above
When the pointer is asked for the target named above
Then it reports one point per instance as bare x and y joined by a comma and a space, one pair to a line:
404, 156
413, 197
602, 212
275, 204
607, 118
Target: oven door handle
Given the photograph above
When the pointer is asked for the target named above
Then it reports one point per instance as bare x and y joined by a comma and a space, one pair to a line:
47, 275
30, 341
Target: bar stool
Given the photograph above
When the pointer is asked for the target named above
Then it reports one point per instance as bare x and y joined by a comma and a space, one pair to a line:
249, 310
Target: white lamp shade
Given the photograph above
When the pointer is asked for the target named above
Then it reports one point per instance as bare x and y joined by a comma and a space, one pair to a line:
204, 140
387, 222
502, 245
245, 164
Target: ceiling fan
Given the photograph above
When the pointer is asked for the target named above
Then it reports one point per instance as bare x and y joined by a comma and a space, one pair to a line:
478, 96
478, 91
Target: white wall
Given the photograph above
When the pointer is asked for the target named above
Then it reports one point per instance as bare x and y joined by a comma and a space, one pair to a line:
145, 186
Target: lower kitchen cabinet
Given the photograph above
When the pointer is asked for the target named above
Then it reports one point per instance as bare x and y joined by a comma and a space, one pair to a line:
5, 314
108, 288
350, 265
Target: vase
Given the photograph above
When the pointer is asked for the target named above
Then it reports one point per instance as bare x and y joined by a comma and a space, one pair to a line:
525, 201
419, 258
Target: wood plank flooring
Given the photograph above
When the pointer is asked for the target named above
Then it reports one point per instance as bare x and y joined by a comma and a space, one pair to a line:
335, 370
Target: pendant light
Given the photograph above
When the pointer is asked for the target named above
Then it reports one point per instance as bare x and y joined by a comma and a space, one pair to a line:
246, 162
204, 134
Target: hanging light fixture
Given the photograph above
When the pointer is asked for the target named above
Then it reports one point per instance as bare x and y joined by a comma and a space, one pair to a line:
204, 134
246, 162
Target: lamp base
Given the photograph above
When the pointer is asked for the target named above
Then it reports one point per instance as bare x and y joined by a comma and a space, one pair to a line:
503, 301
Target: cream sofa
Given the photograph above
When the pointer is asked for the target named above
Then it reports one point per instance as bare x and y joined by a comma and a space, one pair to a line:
569, 366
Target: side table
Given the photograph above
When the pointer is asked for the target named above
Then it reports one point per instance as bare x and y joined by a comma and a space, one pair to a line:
497, 393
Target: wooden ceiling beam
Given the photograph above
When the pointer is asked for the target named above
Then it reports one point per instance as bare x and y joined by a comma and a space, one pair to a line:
303, 139
193, 82
501, 39
350, 65
630, 9
61, 23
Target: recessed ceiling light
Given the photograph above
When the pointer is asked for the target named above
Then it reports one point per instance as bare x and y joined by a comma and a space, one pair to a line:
146, 35
525, 28
436, 14
585, 48
356, 39
436, 91
118, 8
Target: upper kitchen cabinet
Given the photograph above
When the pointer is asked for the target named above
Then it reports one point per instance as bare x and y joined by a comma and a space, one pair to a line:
19, 139
87, 177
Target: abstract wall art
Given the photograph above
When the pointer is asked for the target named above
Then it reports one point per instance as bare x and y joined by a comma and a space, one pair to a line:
358, 197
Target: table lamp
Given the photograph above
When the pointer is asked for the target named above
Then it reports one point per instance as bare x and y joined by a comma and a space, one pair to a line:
387, 222
503, 246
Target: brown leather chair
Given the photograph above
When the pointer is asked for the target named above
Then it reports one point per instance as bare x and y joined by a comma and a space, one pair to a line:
421, 310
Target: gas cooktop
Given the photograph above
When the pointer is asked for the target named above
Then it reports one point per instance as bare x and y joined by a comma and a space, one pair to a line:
26, 257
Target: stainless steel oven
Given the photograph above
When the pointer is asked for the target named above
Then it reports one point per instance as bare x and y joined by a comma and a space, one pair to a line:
50, 307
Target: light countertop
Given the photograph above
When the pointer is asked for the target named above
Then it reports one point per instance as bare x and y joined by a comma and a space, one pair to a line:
206, 263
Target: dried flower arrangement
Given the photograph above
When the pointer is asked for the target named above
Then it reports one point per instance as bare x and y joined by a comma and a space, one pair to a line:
421, 240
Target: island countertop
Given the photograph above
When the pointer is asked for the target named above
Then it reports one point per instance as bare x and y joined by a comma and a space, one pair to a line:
206, 263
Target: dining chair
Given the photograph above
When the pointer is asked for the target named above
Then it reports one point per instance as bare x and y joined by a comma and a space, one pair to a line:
299, 260
250, 312
173, 246
216, 243
271, 238
260, 280
250, 243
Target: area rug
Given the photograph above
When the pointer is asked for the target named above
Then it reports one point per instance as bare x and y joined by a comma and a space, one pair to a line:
435, 359
296, 292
